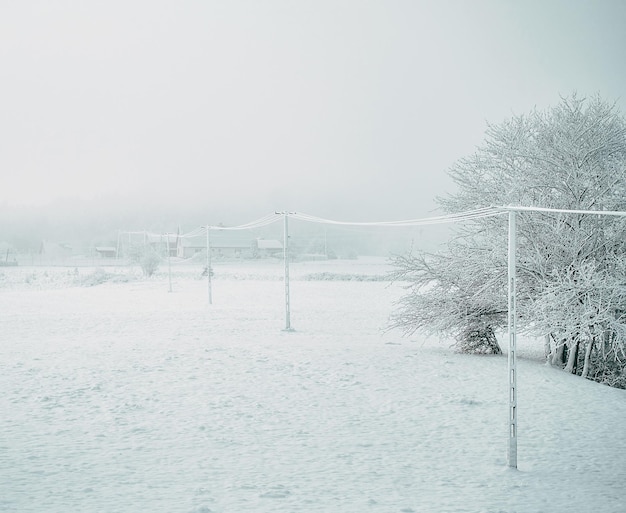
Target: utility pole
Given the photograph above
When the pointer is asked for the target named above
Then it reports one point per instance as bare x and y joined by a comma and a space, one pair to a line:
117, 250
512, 359
208, 262
285, 215
169, 261
286, 259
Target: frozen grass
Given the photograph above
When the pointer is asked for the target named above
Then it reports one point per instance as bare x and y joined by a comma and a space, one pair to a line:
124, 397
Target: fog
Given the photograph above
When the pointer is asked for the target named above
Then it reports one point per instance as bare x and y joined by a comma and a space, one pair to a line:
146, 114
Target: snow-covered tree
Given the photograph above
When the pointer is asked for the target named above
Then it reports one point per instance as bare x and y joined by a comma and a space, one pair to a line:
571, 279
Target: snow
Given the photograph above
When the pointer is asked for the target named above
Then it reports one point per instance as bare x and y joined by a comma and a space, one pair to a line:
120, 396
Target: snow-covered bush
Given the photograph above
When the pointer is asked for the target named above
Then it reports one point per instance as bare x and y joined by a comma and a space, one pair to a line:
149, 262
100, 276
478, 338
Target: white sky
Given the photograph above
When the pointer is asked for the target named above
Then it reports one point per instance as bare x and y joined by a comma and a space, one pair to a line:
348, 107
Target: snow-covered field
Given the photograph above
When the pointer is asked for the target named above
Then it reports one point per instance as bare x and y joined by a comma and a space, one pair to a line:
120, 396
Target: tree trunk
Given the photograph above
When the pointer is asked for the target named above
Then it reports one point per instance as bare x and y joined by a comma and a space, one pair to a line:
572, 359
557, 355
587, 364
606, 347
548, 349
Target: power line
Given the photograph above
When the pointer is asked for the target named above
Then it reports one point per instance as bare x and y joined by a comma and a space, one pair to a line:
468, 215
450, 218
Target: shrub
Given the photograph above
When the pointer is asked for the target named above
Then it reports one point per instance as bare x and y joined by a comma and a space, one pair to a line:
149, 263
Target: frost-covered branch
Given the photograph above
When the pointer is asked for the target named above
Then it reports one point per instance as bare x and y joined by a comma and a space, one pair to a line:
571, 277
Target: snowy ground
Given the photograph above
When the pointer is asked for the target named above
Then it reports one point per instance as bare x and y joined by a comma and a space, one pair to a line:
120, 396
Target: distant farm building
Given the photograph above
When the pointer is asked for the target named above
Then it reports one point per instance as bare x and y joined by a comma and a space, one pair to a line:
106, 251
223, 245
162, 243
226, 244
267, 247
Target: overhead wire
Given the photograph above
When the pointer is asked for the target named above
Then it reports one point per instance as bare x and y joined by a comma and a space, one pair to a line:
450, 218
263, 221
274, 217
444, 219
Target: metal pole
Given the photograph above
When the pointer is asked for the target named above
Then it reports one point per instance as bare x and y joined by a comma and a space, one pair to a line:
169, 262
117, 251
512, 360
286, 259
208, 262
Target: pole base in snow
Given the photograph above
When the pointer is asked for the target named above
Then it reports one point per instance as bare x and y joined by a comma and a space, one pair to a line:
289, 330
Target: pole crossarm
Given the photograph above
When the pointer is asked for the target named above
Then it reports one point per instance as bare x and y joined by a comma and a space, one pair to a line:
565, 211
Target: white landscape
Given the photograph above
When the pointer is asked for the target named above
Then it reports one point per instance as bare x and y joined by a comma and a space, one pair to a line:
121, 396
483, 143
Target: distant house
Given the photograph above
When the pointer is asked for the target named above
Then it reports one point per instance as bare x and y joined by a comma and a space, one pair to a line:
223, 245
106, 251
267, 247
161, 243
189, 246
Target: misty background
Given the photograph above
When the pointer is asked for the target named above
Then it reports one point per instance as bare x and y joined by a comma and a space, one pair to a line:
126, 115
